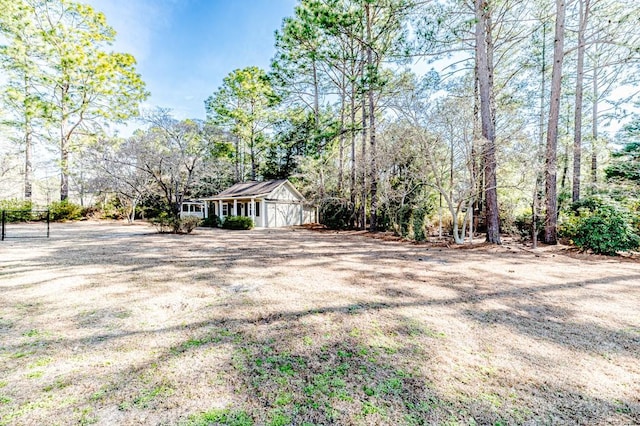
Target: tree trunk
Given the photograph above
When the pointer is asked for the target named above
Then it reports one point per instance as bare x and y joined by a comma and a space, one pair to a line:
64, 149
316, 105
343, 102
484, 53
551, 218
577, 133
237, 162
537, 198
252, 151
28, 133
352, 189
594, 128
373, 179
476, 149
64, 168
363, 160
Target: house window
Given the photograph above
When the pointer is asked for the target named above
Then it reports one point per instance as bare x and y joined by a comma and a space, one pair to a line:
249, 209
225, 210
185, 208
197, 208
257, 208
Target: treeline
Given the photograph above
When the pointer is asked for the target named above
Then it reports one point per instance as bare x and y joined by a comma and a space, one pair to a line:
492, 141
422, 117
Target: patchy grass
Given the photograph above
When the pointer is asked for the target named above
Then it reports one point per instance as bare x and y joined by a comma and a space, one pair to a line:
112, 324
220, 417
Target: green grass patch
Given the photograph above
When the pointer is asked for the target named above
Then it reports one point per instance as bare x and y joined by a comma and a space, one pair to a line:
42, 362
86, 417
58, 384
279, 418
99, 394
35, 374
220, 417
369, 408
284, 399
391, 386
148, 397
191, 344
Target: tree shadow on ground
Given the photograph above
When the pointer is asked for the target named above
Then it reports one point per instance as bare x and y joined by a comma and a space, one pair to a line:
360, 359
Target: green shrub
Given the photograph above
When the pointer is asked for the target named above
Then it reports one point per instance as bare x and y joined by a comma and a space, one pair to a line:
212, 221
336, 213
16, 210
522, 224
600, 227
403, 225
237, 222
165, 224
65, 210
112, 209
417, 219
188, 224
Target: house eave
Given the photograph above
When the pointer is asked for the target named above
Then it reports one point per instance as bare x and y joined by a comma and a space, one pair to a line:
235, 197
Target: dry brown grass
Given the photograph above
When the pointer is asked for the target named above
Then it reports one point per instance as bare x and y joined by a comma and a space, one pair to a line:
112, 324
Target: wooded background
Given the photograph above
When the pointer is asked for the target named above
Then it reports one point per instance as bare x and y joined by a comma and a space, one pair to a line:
421, 117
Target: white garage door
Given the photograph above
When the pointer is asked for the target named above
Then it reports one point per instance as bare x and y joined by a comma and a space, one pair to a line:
283, 214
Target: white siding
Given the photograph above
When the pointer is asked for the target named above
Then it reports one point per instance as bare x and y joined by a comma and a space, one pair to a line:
309, 215
270, 210
283, 214
284, 193
259, 222
192, 209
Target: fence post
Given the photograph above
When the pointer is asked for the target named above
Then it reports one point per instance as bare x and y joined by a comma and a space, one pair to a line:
4, 217
48, 220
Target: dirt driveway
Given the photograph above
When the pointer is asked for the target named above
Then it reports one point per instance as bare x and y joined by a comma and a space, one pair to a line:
106, 323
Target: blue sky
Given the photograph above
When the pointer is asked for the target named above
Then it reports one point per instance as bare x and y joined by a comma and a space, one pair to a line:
185, 48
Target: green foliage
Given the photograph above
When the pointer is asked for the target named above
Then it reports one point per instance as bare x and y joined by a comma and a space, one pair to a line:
65, 210
79, 81
419, 216
212, 221
166, 223
112, 208
16, 210
522, 224
408, 221
336, 213
189, 223
625, 164
152, 205
237, 222
403, 222
600, 227
243, 105
220, 417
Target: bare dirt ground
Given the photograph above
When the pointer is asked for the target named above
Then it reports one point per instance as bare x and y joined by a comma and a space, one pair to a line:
106, 323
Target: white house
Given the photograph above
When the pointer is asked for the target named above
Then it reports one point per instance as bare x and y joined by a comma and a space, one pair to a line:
270, 204
193, 208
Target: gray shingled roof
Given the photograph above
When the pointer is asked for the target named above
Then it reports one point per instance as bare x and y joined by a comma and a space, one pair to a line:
251, 189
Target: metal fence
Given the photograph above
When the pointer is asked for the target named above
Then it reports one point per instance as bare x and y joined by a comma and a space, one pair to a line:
25, 224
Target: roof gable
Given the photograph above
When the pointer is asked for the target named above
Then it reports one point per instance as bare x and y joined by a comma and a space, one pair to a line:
286, 191
254, 189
